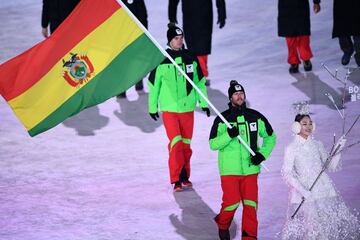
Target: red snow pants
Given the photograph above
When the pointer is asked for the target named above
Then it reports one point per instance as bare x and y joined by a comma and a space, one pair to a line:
298, 47
203, 60
179, 129
236, 189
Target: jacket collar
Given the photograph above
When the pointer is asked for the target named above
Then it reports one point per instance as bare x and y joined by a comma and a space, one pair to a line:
299, 139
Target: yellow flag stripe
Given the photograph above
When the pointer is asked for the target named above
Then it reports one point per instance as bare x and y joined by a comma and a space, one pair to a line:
101, 46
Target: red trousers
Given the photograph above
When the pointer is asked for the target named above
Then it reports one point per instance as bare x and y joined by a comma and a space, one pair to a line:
298, 46
236, 189
179, 129
203, 59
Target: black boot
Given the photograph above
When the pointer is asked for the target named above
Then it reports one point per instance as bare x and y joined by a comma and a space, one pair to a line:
346, 58
294, 68
139, 86
224, 234
245, 234
307, 66
121, 95
178, 187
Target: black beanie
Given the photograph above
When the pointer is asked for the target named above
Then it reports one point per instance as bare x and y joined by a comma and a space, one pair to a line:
235, 87
173, 31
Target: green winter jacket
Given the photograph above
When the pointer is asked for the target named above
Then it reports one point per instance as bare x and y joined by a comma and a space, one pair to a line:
233, 158
169, 88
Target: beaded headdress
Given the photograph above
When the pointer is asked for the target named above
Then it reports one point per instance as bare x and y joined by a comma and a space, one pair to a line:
302, 108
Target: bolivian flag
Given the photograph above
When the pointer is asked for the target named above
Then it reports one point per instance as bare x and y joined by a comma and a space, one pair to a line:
98, 52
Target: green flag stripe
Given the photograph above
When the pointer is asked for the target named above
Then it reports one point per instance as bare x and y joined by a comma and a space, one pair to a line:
131, 65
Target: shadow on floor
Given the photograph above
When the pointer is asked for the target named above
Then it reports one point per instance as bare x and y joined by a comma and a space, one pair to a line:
86, 122
196, 220
311, 85
135, 113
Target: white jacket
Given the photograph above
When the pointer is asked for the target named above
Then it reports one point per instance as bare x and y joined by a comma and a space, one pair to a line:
304, 160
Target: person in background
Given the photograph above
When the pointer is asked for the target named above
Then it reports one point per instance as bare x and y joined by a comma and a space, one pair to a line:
178, 100
138, 8
346, 27
198, 24
54, 13
294, 25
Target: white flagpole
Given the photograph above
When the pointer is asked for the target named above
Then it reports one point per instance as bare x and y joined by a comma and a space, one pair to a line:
186, 76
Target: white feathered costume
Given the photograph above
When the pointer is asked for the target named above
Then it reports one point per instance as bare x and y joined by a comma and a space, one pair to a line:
323, 216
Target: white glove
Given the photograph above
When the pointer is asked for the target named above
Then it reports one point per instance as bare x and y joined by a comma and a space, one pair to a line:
340, 143
306, 194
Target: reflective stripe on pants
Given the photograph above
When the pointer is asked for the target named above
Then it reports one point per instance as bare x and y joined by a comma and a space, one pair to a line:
179, 129
236, 189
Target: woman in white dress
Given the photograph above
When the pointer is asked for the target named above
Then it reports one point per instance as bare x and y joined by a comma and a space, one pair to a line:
324, 215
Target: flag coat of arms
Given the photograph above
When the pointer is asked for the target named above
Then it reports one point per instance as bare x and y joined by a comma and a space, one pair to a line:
96, 53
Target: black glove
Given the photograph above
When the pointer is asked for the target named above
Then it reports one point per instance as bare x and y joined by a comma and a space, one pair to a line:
257, 159
220, 4
154, 116
207, 110
221, 22
233, 132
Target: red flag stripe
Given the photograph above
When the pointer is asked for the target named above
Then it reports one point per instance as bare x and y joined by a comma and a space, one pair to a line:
74, 29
